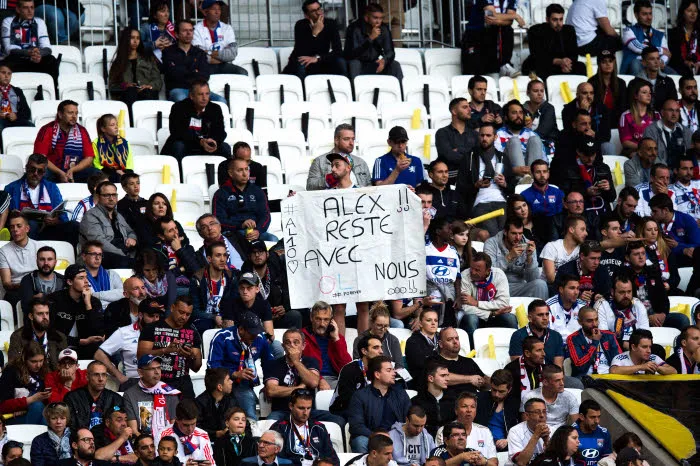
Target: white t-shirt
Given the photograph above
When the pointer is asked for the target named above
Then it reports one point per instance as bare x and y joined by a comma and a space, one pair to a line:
687, 197
624, 360
583, 16
564, 322
480, 438
518, 436
125, 340
557, 412
554, 251
493, 192
638, 318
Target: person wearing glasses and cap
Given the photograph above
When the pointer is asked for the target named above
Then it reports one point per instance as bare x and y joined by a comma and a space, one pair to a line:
396, 166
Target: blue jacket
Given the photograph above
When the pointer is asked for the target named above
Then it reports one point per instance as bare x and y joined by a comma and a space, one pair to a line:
366, 409
226, 206
320, 442
686, 231
547, 204
15, 191
629, 53
226, 347
43, 451
583, 354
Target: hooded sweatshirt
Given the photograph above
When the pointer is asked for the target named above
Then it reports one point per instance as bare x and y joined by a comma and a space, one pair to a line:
413, 450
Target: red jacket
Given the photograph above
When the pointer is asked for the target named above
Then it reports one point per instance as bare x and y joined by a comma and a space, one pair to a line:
58, 389
337, 351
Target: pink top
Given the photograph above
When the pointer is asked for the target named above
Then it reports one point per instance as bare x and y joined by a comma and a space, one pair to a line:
630, 130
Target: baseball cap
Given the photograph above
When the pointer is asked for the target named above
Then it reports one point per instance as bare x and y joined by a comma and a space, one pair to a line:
257, 245
73, 270
340, 156
586, 145
249, 278
397, 134
251, 323
146, 359
626, 455
151, 306
605, 54
209, 3
68, 353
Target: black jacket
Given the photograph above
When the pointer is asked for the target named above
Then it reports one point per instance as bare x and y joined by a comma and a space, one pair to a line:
417, 351
676, 37
546, 44
65, 312
199, 291
80, 403
181, 114
452, 147
485, 407
602, 283
181, 68
547, 127
320, 441
663, 90
23, 111
573, 181
211, 417
358, 46
600, 119
146, 232
117, 314
620, 103
654, 286
327, 44
241, 246
186, 257
279, 290
22, 336
350, 379
225, 454
132, 211
469, 175
438, 413
446, 203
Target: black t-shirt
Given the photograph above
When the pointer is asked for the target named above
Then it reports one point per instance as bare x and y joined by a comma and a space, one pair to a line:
161, 334
231, 307
462, 366
286, 376
613, 260
675, 361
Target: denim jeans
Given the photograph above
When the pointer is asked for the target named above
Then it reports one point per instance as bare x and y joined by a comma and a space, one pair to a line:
58, 22
34, 415
359, 444
180, 93
471, 322
676, 320
246, 400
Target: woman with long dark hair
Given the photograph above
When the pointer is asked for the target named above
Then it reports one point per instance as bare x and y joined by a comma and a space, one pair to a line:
134, 74
683, 40
608, 88
634, 121
562, 449
22, 385
159, 32
158, 206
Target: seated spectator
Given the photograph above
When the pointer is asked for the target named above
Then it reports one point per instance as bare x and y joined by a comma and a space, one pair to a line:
238, 441
686, 358
563, 446
12, 452
222, 51
174, 251
628, 450
125, 311
600, 122
663, 87
518, 208
82, 444
376, 405
569, 139
483, 111
317, 47
160, 284
123, 344
538, 316
397, 167
622, 313
635, 120
132, 206
177, 343
241, 206
514, 254
352, 375
147, 229
434, 397
564, 307
585, 344
640, 36
464, 374
88, 203
31, 193
521, 149
89, 404
112, 437
14, 106
192, 443
553, 47
594, 280
422, 343
540, 116
381, 450
379, 323
527, 369
683, 42
590, 432
681, 230
215, 402
496, 409
22, 388
325, 344
305, 437
457, 449
608, 88
485, 179
106, 285
112, 151
209, 229
68, 376
209, 286
456, 140
485, 296
658, 254
559, 252
76, 313
639, 359
158, 33
258, 171
594, 32
685, 188
25, 42
544, 200
38, 329
462, 242
134, 74
562, 406
671, 137
527, 439
446, 200
638, 167
610, 233
145, 450
54, 445
659, 181
688, 88
343, 143
368, 46
247, 299
412, 440
103, 223
270, 444
341, 171
67, 146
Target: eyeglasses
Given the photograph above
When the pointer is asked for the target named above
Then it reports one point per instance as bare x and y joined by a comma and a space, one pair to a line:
94, 254
314, 10
265, 443
208, 225
87, 440
38, 171
381, 327
109, 195
574, 202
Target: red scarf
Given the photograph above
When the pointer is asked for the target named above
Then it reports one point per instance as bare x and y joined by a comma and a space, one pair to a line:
586, 173
124, 449
486, 290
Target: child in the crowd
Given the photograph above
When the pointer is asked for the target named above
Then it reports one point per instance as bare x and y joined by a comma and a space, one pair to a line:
167, 453
112, 152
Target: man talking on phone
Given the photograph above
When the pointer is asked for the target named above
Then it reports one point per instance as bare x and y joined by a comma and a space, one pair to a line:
591, 349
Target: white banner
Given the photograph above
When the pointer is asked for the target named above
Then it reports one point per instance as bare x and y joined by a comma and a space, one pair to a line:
354, 245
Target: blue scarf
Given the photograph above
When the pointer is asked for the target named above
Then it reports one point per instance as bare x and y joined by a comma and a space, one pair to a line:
101, 283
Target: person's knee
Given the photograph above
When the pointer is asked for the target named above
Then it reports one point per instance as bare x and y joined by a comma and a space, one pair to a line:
510, 320
359, 444
676, 320
540, 289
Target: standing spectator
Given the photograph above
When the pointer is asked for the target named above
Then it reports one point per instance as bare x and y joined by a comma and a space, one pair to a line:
67, 377
638, 167
622, 313
527, 369
106, 285
540, 116
177, 343
17, 258
13, 104
413, 442
610, 233
397, 167
132, 206
209, 286
88, 404
38, 329
215, 402
634, 121
76, 313
594, 280
590, 348
562, 406
22, 385
368, 45
422, 343
352, 376
238, 440
343, 143
112, 152
496, 409
317, 47
456, 140
25, 42
683, 41
565, 306
134, 74
217, 39
639, 359
594, 32
553, 47
325, 343
640, 36
484, 111
559, 252
159, 284
54, 445
608, 88
590, 432
688, 88
158, 33
67, 146
515, 139
192, 442
538, 317
663, 87
600, 122
527, 439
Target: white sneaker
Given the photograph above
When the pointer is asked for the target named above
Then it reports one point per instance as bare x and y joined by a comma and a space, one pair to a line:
510, 71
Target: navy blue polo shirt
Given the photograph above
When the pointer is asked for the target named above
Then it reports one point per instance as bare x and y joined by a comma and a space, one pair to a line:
553, 346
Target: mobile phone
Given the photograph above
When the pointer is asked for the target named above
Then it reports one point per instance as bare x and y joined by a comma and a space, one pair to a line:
330, 329
487, 177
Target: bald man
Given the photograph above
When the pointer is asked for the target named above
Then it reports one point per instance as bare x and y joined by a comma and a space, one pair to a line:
125, 311
600, 123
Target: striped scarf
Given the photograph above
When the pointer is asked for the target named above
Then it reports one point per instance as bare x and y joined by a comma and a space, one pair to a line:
25, 198
73, 146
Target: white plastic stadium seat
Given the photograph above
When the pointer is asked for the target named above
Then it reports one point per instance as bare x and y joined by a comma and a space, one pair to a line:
336, 435
411, 61
25, 434
516, 301
626, 77
478, 246
373, 146
92, 110
240, 88
189, 202
274, 168
11, 168
140, 141
487, 366
685, 273
321, 142
401, 114
389, 89
198, 380
6, 319
240, 134
440, 118
291, 144
94, 58
150, 168
65, 255
265, 118
284, 54
438, 91
298, 172
74, 87
465, 349
501, 341
319, 115
365, 115
270, 89
19, 140
265, 57
194, 170
460, 87
323, 398
443, 62
146, 114
316, 87
664, 336
30, 83
207, 337
98, 26
72, 193
416, 144
44, 111
506, 91
71, 58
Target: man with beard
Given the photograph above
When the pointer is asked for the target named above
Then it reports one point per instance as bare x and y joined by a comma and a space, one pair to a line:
688, 87
43, 281
595, 439
553, 47
639, 359
594, 280
527, 369
38, 329
686, 189
341, 169
626, 211
559, 252
516, 140
671, 137
445, 199
638, 167
343, 143
82, 443
538, 321
352, 375
622, 313
591, 349
484, 112
145, 450
496, 409
659, 181
126, 310
600, 122
482, 187
456, 140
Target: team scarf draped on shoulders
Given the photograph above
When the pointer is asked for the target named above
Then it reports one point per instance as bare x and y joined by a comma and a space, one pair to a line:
101, 282
159, 418
113, 154
73, 147
25, 198
486, 290
156, 32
